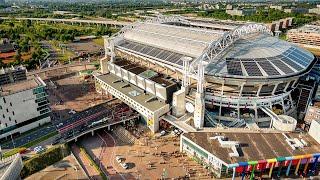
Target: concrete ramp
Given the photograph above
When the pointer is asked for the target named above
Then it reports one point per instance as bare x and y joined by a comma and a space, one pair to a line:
281, 122
179, 123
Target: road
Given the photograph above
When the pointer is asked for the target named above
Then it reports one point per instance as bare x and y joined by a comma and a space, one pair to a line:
36, 134
104, 22
109, 141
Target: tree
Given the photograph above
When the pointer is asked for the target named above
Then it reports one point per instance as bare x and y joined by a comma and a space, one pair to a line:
1, 63
17, 57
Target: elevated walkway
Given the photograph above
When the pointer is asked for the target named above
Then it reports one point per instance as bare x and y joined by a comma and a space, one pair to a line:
106, 124
281, 122
180, 123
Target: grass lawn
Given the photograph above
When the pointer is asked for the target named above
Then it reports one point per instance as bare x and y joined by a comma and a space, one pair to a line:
99, 41
65, 55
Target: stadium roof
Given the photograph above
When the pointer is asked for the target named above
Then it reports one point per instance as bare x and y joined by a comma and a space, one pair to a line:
251, 54
260, 55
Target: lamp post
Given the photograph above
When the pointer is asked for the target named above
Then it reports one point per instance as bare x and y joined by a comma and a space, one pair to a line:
12, 140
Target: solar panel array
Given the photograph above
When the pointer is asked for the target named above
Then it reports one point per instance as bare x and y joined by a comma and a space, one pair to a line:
268, 68
158, 53
234, 67
251, 68
291, 61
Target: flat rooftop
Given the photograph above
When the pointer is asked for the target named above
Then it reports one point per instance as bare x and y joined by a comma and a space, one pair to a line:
309, 28
254, 146
144, 72
12, 88
135, 93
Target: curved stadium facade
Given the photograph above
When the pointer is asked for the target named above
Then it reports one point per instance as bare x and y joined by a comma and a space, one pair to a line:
248, 73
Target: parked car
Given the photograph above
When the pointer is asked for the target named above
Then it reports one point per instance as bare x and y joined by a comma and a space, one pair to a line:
72, 111
162, 133
119, 159
124, 165
39, 149
59, 125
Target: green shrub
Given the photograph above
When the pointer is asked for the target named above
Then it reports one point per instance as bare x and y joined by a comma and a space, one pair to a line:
41, 161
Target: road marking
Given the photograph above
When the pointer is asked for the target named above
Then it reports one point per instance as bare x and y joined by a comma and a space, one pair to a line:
113, 152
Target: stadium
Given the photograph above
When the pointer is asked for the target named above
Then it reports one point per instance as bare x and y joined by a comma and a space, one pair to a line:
170, 68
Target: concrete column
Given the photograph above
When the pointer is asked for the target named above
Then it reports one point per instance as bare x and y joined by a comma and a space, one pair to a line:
259, 90
274, 89
255, 111
199, 110
284, 109
233, 173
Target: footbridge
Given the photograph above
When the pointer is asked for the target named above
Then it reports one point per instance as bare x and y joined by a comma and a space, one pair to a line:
280, 122
105, 123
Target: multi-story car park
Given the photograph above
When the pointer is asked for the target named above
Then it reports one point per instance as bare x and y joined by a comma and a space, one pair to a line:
247, 73
23, 106
307, 35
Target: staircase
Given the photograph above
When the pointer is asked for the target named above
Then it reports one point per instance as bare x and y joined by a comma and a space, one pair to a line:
209, 117
123, 136
304, 99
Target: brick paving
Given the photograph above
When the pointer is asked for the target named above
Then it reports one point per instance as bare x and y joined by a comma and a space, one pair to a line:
88, 167
148, 158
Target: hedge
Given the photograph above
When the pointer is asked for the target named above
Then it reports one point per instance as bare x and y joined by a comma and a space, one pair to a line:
41, 161
104, 177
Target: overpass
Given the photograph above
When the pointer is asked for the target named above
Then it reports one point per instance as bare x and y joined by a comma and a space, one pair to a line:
54, 68
107, 124
81, 21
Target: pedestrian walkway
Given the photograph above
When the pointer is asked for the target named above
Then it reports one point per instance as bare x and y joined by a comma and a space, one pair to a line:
85, 163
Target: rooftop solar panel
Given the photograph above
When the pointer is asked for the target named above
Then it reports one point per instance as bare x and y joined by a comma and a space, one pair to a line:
164, 55
234, 67
252, 68
283, 67
268, 68
291, 63
146, 50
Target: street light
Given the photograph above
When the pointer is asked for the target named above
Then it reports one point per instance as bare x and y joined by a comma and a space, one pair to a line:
12, 140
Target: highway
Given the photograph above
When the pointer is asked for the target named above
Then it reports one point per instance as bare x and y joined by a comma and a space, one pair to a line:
103, 22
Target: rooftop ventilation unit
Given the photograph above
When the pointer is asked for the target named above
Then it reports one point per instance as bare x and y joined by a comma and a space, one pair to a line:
228, 144
295, 143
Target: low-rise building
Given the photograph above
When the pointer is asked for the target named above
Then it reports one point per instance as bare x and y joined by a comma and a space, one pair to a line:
307, 35
314, 129
240, 12
313, 113
23, 106
11, 75
296, 10
315, 10
264, 155
279, 7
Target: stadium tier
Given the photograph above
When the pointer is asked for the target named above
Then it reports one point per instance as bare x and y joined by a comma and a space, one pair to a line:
242, 74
